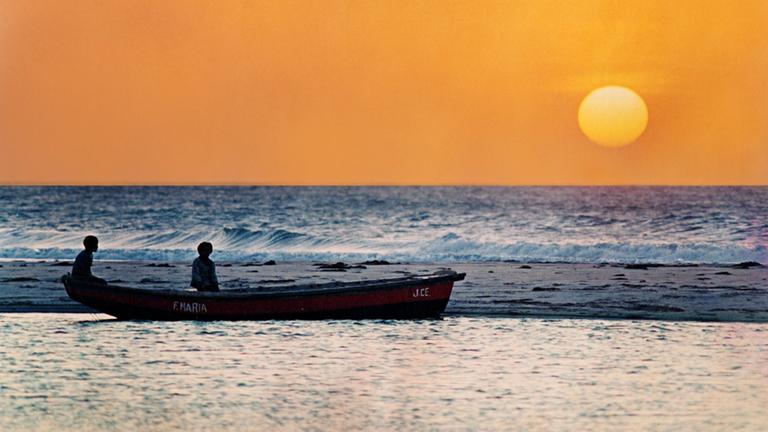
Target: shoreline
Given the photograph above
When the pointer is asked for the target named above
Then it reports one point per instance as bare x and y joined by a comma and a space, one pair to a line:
85, 310
627, 264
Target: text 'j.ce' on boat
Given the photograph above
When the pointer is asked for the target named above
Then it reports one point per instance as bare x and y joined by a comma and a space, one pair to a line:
406, 297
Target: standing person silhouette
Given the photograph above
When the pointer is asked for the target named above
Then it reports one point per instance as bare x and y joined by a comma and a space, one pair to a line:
81, 269
204, 270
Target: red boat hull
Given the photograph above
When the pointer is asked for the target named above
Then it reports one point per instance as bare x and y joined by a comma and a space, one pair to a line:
415, 297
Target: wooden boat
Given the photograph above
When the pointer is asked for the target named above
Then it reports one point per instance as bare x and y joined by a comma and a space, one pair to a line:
406, 297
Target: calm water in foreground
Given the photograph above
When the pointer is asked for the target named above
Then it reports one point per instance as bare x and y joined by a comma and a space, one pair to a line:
83, 372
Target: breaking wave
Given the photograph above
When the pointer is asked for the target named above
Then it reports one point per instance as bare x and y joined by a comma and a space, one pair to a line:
414, 224
244, 244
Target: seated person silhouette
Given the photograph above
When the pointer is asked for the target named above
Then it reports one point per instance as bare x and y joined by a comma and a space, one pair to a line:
204, 270
82, 266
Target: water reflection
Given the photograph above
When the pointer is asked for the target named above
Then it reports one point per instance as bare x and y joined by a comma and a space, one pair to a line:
68, 372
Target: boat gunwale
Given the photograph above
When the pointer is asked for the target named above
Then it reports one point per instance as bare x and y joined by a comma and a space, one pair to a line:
283, 290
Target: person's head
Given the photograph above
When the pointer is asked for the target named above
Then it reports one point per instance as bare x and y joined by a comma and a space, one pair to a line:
91, 243
205, 249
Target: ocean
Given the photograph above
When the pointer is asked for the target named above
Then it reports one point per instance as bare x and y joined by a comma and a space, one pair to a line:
666, 225
584, 308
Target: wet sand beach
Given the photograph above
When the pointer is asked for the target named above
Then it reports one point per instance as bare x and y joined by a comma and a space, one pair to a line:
690, 292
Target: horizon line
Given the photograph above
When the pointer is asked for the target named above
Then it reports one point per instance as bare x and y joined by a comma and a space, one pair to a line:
246, 184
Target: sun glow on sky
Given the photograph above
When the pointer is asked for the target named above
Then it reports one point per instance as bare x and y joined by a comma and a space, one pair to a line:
371, 92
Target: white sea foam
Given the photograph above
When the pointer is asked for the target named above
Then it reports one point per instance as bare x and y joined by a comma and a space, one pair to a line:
242, 244
655, 225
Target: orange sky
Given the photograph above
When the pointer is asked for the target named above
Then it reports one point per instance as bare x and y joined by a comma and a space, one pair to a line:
378, 92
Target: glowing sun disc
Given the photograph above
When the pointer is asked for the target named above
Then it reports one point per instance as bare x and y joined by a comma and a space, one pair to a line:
613, 116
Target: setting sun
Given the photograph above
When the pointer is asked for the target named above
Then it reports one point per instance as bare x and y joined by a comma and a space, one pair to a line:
613, 116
